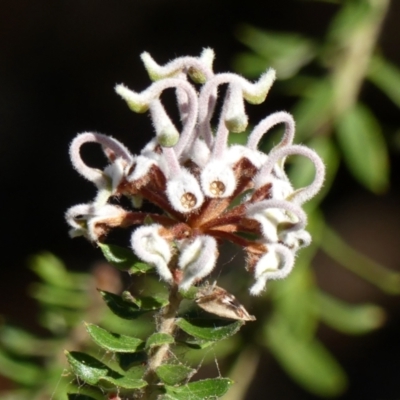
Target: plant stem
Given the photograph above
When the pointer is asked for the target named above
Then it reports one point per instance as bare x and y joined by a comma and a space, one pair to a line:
166, 324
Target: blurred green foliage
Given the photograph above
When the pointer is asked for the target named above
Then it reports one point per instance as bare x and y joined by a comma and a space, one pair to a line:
331, 119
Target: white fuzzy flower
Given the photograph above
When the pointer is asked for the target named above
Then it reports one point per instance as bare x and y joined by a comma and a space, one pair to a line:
152, 248
197, 260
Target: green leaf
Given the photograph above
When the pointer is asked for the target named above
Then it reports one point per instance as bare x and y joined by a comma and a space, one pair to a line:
298, 311
23, 343
86, 367
200, 390
286, 52
94, 372
386, 76
209, 329
19, 371
348, 318
128, 360
124, 382
124, 259
114, 341
306, 361
120, 307
52, 270
314, 110
158, 339
364, 148
173, 374
149, 303
59, 297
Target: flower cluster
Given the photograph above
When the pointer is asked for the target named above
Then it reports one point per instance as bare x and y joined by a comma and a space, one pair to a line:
206, 191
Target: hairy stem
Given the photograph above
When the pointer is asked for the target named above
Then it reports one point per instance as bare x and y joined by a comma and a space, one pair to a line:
166, 324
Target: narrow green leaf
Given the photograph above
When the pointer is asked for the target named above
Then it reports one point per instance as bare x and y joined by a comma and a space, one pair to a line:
50, 269
124, 382
120, 307
114, 341
339, 250
386, 76
298, 311
198, 344
94, 372
314, 110
209, 329
348, 318
23, 343
306, 361
59, 297
19, 371
124, 259
200, 390
86, 367
149, 303
286, 52
364, 148
158, 339
173, 374
127, 360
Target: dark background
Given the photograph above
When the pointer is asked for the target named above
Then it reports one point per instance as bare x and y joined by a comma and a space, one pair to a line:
59, 62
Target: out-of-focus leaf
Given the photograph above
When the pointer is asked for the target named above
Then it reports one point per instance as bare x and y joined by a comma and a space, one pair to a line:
298, 311
21, 342
207, 329
250, 65
173, 374
286, 52
306, 361
120, 307
158, 339
200, 390
124, 259
19, 371
313, 112
52, 270
59, 297
368, 269
364, 147
113, 341
348, 318
386, 76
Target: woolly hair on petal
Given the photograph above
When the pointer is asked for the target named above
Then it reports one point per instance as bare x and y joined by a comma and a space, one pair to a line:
142, 167
303, 194
267, 123
217, 179
277, 263
197, 260
295, 240
92, 174
76, 217
150, 247
184, 192
269, 220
